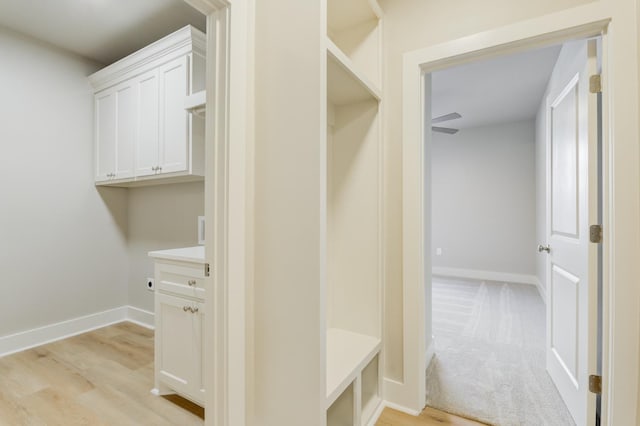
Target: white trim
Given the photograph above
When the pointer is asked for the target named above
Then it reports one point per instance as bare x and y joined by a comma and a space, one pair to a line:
376, 414
430, 354
182, 42
478, 274
616, 21
141, 317
39, 336
394, 406
541, 290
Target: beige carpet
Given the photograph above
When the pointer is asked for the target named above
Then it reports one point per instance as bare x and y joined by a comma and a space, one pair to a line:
490, 359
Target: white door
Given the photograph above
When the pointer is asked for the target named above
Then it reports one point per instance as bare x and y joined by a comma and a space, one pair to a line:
174, 119
105, 138
148, 124
126, 132
180, 337
571, 209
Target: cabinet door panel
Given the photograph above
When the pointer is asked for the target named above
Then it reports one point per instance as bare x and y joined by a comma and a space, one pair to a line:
105, 123
148, 124
180, 336
174, 137
126, 130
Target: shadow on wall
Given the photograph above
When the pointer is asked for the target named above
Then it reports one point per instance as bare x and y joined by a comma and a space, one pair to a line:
115, 199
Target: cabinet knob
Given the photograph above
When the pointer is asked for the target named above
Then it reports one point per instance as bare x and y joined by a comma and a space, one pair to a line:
194, 310
192, 282
186, 308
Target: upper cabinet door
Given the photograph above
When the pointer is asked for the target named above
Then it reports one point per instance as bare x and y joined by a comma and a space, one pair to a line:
174, 134
127, 129
148, 124
105, 128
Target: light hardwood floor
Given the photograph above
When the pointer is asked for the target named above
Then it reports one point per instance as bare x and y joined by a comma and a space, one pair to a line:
104, 377
429, 417
98, 378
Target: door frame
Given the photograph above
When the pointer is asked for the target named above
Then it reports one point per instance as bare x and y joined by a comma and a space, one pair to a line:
621, 232
228, 369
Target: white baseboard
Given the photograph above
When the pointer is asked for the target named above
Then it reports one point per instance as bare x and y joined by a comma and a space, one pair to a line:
50, 333
141, 317
401, 408
431, 352
541, 291
477, 274
376, 414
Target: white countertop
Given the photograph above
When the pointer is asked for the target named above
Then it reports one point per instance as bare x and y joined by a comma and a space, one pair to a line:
186, 254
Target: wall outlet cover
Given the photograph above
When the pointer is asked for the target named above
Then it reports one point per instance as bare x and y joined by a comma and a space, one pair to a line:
151, 284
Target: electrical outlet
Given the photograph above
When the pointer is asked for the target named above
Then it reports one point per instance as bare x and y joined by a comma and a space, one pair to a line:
151, 284
438, 251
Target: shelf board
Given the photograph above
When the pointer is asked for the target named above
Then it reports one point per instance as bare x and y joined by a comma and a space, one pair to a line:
347, 354
196, 103
345, 84
346, 14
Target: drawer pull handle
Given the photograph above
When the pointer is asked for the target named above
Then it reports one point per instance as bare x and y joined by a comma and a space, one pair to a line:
192, 282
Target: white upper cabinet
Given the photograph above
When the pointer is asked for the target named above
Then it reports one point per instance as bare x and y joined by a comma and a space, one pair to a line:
105, 134
115, 132
143, 133
148, 115
174, 81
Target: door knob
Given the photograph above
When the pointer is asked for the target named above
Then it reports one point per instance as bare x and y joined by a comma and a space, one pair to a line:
542, 248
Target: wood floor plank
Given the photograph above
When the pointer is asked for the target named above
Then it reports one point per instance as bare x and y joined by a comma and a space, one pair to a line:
104, 378
429, 417
99, 378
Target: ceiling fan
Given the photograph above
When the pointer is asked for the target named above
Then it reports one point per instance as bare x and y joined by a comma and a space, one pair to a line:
446, 117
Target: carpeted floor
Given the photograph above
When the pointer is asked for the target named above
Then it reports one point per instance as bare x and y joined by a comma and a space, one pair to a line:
490, 358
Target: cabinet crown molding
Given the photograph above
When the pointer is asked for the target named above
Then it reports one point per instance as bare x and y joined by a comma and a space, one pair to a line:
184, 41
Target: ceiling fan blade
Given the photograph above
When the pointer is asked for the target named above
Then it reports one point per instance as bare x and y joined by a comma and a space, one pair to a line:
446, 130
446, 117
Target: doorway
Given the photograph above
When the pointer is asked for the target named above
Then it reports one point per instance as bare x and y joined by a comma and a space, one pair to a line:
489, 177
413, 170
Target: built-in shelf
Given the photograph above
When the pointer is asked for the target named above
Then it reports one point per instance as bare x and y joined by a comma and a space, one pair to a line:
348, 354
344, 15
346, 84
196, 103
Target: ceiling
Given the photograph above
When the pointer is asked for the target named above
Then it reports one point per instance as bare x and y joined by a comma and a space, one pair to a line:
101, 30
498, 90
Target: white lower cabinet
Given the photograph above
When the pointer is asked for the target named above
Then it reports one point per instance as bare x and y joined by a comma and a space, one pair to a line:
179, 322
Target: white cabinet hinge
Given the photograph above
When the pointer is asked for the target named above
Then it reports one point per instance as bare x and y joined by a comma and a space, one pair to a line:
595, 84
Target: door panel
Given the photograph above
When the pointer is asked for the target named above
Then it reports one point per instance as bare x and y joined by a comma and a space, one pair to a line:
105, 104
174, 146
564, 162
148, 124
564, 306
126, 131
571, 207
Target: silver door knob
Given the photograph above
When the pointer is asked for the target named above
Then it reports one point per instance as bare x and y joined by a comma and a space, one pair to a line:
542, 248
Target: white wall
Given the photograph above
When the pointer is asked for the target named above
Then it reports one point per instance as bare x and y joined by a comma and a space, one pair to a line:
63, 252
483, 199
410, 25
160, 217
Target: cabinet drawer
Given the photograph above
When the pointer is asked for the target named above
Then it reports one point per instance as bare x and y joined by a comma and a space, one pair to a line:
181, 280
